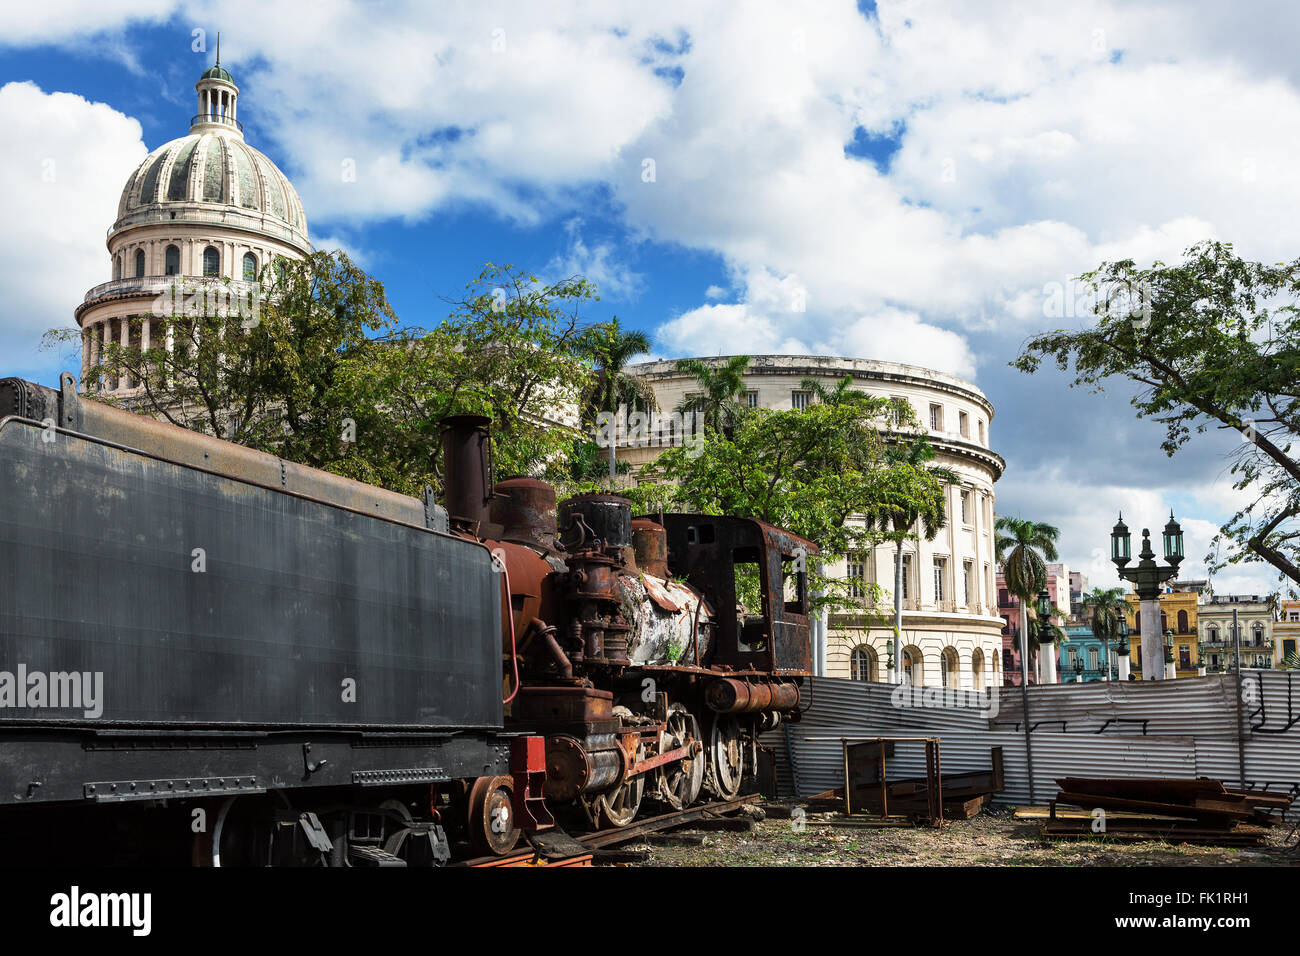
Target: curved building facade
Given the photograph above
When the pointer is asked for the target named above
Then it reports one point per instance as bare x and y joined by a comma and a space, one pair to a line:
204, 205
952, 632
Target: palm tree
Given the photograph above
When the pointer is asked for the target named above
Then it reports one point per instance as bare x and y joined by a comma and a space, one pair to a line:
903, 510
611, 348
721, 388
1023, 548
839, 394
1108, 609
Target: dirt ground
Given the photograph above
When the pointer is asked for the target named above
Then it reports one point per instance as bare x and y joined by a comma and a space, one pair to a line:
993, 838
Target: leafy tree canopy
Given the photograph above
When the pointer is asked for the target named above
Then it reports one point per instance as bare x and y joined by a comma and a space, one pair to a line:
1212, 342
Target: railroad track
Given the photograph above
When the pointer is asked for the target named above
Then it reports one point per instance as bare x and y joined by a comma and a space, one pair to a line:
556, 848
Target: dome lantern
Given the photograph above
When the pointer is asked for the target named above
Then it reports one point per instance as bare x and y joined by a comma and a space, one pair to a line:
218, 98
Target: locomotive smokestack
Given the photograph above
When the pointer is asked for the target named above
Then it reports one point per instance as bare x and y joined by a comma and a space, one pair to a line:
465, 469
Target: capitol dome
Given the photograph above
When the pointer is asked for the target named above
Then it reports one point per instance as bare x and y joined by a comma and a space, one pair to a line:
202, 207
186, 177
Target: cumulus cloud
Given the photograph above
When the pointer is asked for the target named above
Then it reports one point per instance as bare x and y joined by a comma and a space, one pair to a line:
598, 263
63, 161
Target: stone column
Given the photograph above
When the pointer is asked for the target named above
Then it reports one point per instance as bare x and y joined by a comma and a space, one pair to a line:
1153, 642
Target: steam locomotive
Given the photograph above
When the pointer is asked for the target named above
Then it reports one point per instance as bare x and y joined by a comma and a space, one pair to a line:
215, 656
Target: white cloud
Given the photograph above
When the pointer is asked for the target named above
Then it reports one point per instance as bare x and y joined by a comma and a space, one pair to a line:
63, 161
597, 263
66, 21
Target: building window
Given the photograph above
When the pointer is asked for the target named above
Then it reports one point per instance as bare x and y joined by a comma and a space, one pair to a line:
863, 664
751, 398
977, 669
857, 574
1074, 656
965, 507
967, 570
899, 409
1214, 635
117, 267
1182, 622
139, 263
948, 665
940, 572
172, 258
963, 424
1094, 658
799, 400
981, 431
211, 261
936, 418
913, 671
250, 267
1259, 634
907, 576
1184, 656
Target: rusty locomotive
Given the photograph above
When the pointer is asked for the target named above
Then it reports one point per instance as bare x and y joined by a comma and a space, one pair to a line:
211, 652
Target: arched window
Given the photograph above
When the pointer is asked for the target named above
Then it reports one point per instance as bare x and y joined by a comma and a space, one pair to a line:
977, 669
913, 666
1258, 631
172, 259
117, 267
1213, 635
250, 267
948, 667
863, 664
139, 263
1182, 622
211, 261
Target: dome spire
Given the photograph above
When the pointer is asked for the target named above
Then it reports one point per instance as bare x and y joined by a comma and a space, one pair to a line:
218, 99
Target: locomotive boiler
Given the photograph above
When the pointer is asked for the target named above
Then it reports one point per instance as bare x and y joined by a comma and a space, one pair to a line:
210, 648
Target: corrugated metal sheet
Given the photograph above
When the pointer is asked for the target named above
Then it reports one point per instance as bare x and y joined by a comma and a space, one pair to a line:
1184, 728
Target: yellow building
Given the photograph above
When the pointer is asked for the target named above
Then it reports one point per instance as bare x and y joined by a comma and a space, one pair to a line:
1178, 613
1286, 631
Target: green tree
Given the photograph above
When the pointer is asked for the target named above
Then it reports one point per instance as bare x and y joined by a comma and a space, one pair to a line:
910, 503
1108, 608
318, 370
1023, 549
260, 367
611, 347
722, 387
512, 349
812, 471
1211, 342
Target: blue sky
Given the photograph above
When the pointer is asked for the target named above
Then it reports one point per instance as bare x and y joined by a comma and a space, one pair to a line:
917, 176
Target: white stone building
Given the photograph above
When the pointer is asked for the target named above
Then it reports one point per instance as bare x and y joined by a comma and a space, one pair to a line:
204, 205
952, 633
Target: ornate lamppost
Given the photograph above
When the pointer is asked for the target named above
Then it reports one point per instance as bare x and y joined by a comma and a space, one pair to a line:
1121, 648
1147, 577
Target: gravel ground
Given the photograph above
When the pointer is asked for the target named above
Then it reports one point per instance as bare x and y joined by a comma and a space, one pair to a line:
993, 838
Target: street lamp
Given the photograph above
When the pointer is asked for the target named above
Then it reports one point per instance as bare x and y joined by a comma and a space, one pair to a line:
1169, 655
1121, 647
1044, 612
1078, 669
1147, 577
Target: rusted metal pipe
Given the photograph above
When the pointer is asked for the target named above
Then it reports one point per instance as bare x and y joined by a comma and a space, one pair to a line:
466, 484
727, 695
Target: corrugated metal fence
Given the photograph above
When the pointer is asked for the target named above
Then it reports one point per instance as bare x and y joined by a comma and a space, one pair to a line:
1175, 728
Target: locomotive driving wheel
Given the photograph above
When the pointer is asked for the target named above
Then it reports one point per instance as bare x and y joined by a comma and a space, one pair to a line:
618, 807
491, 816
726, 758
679, 783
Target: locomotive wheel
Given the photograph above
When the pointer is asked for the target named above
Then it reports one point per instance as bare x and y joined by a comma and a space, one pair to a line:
491, 816
726, 758
679, 783
618, 807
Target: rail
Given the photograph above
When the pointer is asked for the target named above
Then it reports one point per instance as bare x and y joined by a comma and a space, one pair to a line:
599, 839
